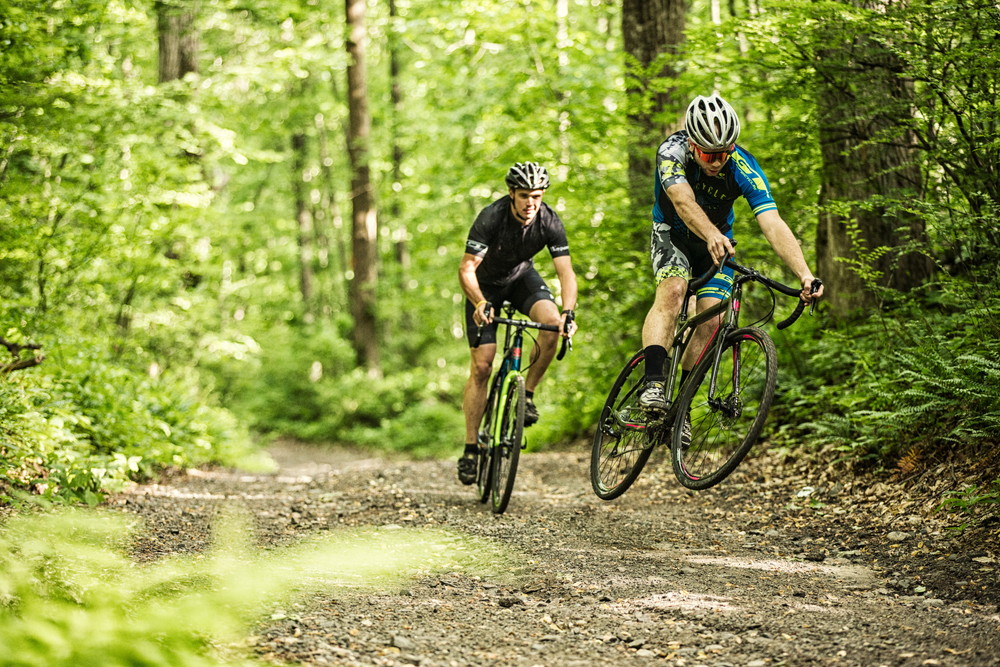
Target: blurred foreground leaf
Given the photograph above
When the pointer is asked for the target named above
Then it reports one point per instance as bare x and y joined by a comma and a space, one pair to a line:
69, 594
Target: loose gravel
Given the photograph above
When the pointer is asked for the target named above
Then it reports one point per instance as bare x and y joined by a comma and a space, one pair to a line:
782, 564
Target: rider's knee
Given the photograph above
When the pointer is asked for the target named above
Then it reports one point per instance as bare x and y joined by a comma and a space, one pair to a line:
548, 339
669, 297
480, 370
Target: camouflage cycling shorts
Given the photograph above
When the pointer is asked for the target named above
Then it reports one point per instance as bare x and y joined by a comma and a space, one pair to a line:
681, 255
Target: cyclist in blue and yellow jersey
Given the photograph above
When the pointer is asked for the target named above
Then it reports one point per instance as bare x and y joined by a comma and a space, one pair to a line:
700, 172
498, 266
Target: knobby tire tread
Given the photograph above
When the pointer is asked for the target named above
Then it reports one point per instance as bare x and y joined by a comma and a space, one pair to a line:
483, 479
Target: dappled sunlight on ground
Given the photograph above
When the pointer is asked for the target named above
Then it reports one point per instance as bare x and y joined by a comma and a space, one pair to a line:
680, 600
855, 572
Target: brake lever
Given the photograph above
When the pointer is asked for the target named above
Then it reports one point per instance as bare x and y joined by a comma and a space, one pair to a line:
816, 284
482, 325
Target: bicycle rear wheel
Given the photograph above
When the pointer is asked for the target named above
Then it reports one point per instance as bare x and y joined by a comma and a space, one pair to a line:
507, 451
623, 440
725, 420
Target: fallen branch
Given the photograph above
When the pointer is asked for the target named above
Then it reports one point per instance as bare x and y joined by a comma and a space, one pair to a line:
18, 363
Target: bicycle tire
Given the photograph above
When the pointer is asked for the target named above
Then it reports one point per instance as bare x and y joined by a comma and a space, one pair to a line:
507, 451
619, 454
485, 472
725, 426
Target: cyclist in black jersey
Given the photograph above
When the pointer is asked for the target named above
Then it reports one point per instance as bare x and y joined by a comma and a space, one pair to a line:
700, 172
498, 266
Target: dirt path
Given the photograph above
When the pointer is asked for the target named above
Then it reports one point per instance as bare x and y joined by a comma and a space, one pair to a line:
767, 569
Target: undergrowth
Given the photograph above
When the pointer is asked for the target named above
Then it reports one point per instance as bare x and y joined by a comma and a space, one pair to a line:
918, 381
80, 426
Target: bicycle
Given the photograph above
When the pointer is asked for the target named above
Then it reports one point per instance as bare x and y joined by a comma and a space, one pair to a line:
501, 437
725, 399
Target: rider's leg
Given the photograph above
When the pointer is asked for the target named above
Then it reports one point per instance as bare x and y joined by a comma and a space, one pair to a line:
476, 388
544, 350
657, 330
702, 335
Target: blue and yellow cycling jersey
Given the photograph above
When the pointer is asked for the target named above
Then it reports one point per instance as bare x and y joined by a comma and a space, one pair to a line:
740, 176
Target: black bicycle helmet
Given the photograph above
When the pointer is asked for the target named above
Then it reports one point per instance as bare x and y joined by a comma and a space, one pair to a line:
527, 176
711, 123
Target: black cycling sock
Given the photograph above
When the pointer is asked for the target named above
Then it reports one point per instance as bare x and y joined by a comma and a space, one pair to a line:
529, 395
656, 357
471, 449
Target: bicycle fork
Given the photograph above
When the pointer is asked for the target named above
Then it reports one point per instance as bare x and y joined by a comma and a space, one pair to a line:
728, 405
510, 367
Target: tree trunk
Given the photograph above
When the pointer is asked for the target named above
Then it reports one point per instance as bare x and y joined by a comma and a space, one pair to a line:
400, 234
650, 29
178, 38
363, 219
335, 241
862, 245
562, 37
304, 219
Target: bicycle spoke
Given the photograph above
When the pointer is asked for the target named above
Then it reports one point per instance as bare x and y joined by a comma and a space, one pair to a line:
725, 420
622, 441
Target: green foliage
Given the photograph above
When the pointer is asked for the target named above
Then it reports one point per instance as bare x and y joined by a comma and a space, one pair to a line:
973, 499
163, 221
70, 597
910, 378
93, 425
410, 411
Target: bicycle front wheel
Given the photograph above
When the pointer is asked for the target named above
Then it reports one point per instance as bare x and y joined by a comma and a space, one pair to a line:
485, 472
507, 450
726, 405
623, 440
483, 475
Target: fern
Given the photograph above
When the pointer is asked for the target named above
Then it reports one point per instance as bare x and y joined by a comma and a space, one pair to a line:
972, 498
915, 376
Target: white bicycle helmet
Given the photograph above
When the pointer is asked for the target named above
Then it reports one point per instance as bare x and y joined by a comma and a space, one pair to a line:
527, 176
711, 123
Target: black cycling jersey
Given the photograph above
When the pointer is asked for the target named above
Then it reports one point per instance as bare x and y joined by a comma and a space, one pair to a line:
507, 247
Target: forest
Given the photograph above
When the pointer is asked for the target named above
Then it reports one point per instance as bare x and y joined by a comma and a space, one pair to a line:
225, 222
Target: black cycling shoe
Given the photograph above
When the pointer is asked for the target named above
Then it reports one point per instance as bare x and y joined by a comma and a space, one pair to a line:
530, 412
468, 468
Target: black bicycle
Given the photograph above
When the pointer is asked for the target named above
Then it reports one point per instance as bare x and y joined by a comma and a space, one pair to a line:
501, 435
716, 417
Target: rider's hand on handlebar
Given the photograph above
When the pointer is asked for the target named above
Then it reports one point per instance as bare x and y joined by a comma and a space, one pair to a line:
568, 327
720, 248
483, 314
812, 289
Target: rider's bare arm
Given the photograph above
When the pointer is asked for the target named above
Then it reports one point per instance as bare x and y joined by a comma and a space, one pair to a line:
683, 199
783, 240
567, 283
470, 285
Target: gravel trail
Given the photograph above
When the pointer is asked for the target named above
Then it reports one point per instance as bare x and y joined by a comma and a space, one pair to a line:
780, 565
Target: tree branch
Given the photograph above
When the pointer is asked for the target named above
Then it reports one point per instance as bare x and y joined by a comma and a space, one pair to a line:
18, 363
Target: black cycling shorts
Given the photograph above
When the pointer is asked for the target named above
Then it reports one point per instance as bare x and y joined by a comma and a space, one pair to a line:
524, 293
